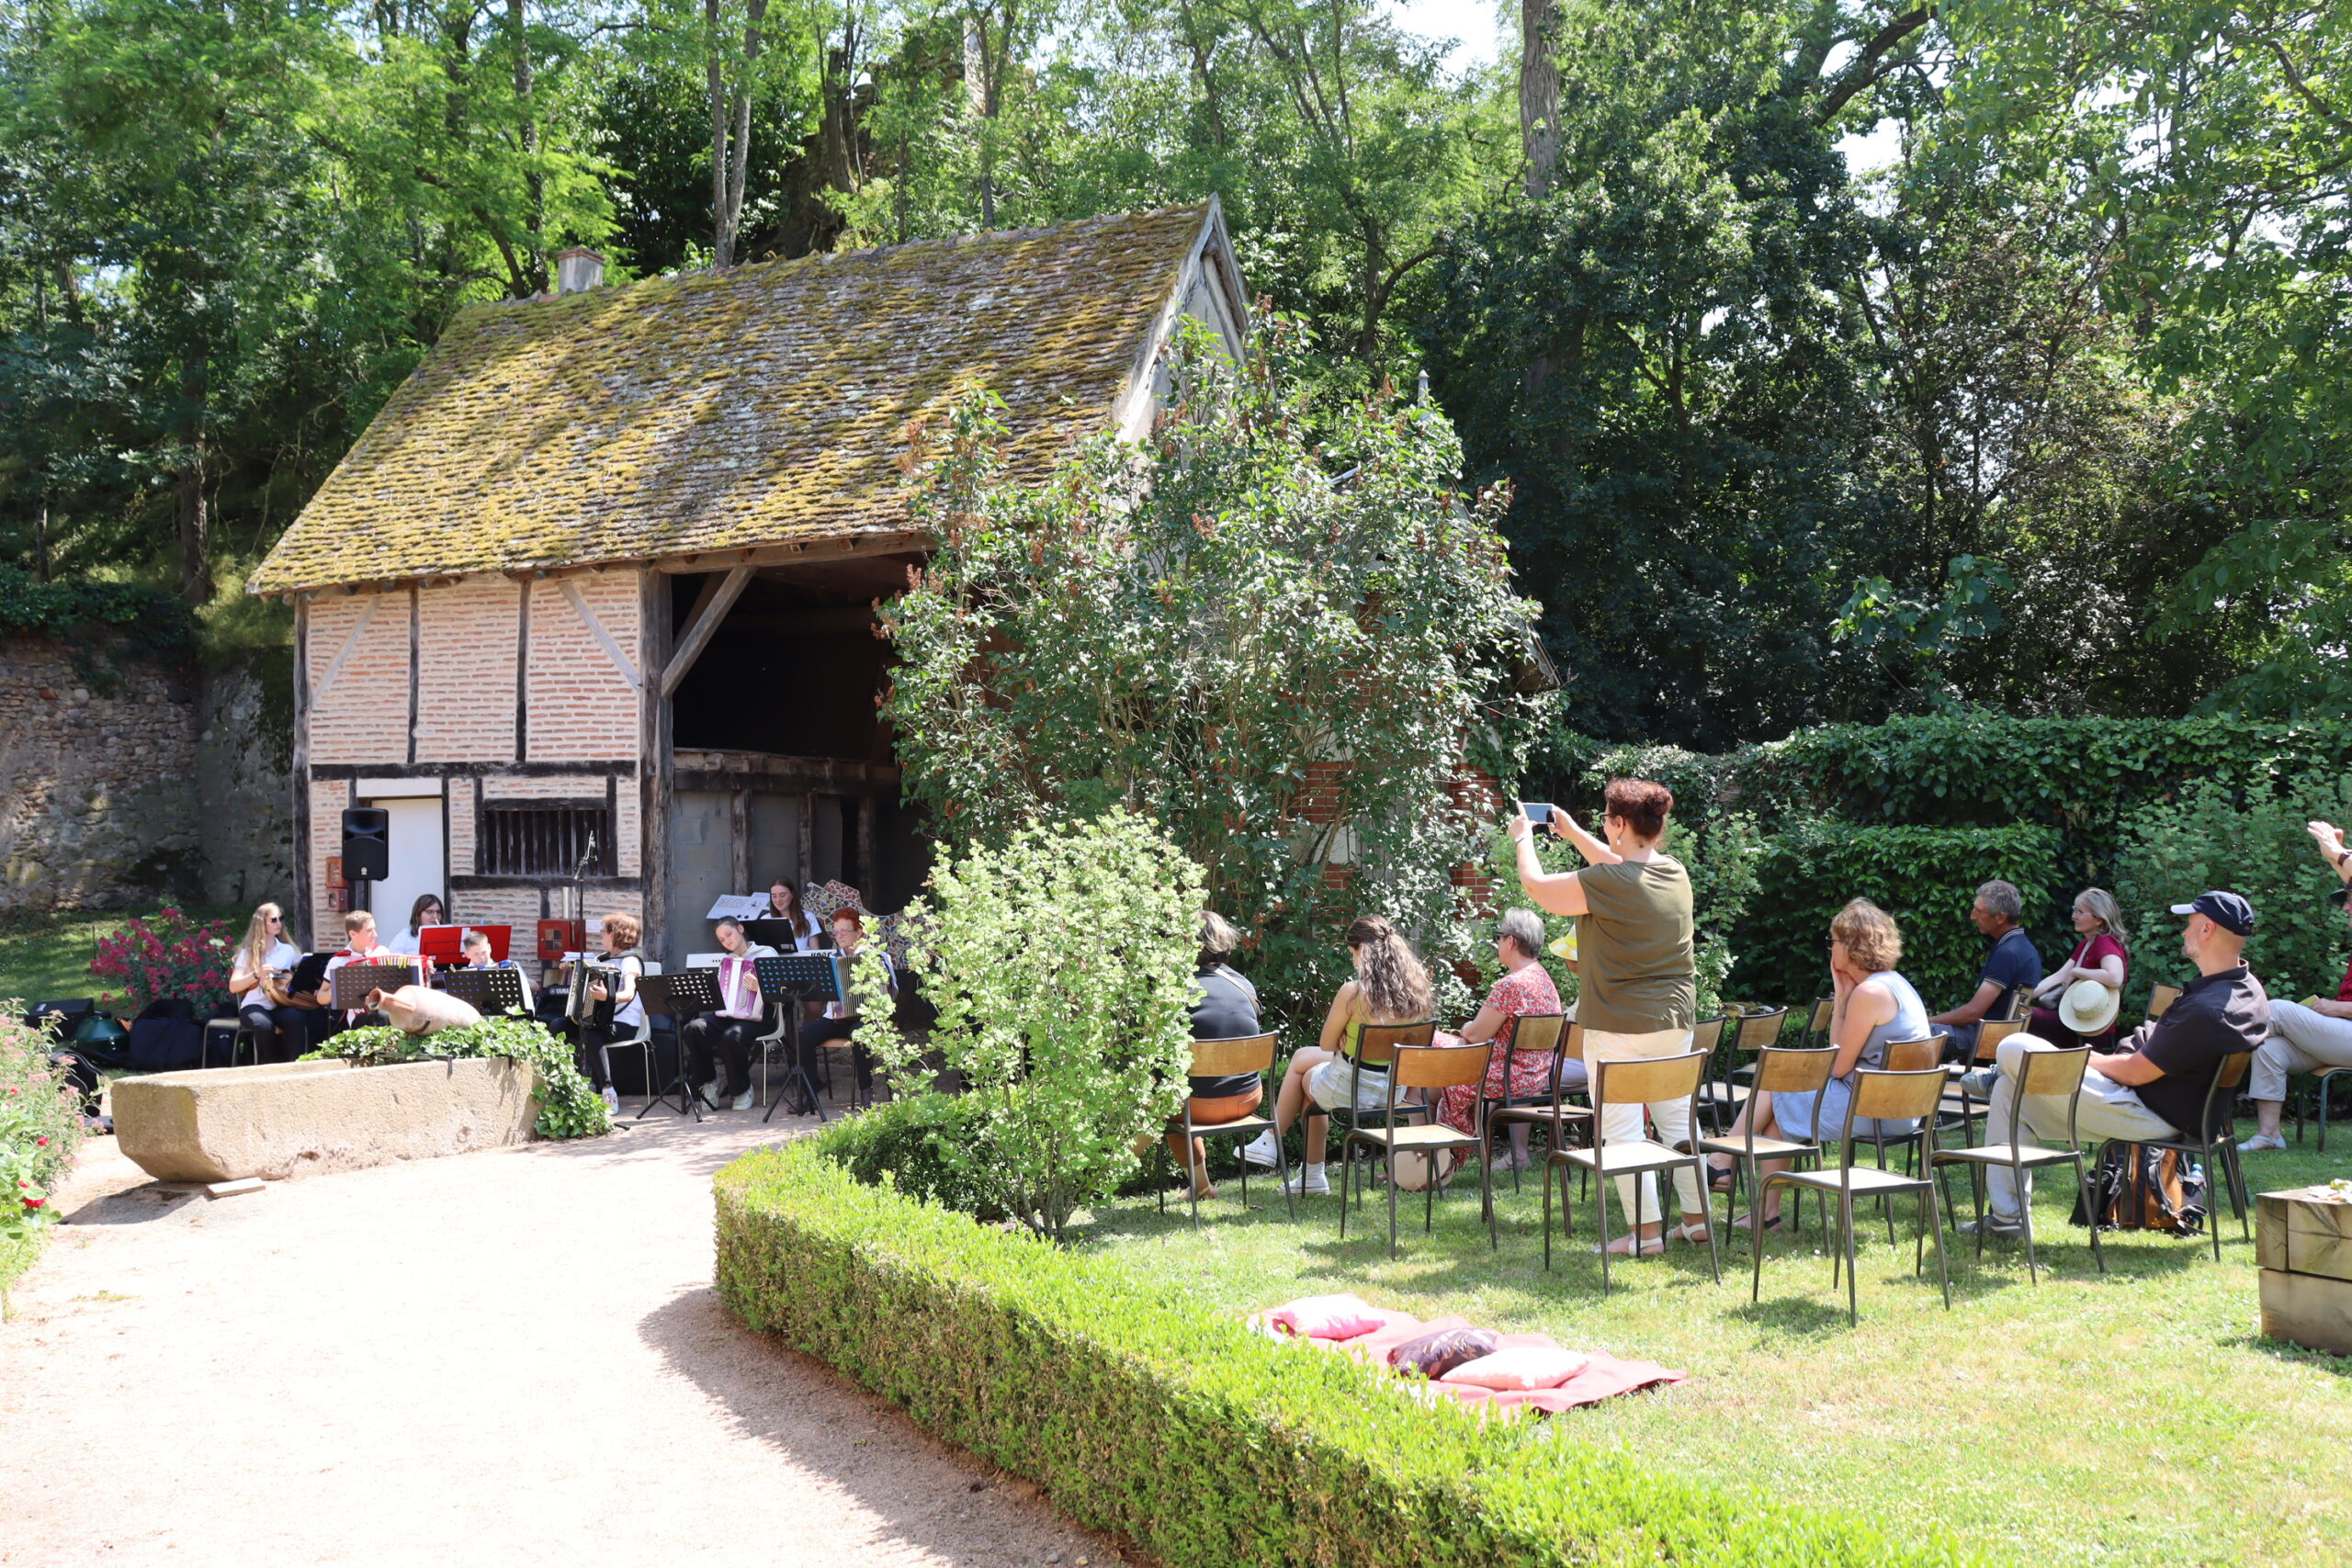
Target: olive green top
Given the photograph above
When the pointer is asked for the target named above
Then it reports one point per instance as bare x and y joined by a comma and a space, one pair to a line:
1633, 949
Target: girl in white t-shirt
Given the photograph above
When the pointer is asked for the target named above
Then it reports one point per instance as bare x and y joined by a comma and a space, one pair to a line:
257, 977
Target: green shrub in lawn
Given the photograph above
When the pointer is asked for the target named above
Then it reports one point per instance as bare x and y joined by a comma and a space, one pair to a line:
1203, 1441
1071, 949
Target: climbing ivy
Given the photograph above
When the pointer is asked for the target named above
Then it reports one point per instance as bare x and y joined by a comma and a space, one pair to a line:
94, 620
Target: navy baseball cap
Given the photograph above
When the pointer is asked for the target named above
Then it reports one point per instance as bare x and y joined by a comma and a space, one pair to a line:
2225, 910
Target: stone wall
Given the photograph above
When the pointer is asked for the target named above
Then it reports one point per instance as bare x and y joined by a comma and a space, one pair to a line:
125, 782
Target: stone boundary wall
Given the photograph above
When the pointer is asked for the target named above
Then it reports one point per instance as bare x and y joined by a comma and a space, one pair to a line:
137, 783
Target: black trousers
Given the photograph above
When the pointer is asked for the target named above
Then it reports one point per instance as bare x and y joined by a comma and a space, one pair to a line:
820, 1031
280, 1034
731, 1038
594, 1038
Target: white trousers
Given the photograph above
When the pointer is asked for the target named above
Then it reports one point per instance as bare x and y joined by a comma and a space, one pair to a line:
2105, 1109
2301, 1042
1623, 1123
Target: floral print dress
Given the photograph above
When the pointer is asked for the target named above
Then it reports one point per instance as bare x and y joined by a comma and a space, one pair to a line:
1523, 993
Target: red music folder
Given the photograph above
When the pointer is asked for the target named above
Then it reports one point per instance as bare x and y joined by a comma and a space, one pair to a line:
446, 945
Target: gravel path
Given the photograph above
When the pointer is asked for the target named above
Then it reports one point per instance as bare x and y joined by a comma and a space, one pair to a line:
502, 1357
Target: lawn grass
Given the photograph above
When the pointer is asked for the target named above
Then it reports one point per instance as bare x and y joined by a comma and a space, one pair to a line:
45, 955
2137, 1417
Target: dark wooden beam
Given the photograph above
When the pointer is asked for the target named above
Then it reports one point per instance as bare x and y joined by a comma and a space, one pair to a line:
717, 597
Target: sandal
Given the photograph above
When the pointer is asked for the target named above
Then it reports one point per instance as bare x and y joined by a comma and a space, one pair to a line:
1656, 1248
1774, 1223
1722, 1177
1695, 1235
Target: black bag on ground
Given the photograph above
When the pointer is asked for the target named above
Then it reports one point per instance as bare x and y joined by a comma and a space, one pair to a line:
2137, 1188
165, 1037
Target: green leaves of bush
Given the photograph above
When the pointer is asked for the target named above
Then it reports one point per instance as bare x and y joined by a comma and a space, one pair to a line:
1065, 962
1198, 1439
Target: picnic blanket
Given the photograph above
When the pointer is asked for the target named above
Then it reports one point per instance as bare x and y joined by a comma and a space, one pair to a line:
1603, 1377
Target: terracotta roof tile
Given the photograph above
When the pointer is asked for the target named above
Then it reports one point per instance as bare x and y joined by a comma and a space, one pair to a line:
713, 411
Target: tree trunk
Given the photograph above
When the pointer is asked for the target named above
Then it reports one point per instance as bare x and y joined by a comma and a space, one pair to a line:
535, 262
1539, 94
731, 154
722, 232
194, 530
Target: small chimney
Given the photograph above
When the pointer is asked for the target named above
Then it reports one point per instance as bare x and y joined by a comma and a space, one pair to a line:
577, 270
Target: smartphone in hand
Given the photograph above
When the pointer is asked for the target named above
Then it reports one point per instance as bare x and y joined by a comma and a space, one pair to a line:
1536, 811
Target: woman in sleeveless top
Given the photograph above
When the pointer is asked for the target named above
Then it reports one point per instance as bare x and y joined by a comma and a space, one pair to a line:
1390, 987
2100, 955
1873, 1005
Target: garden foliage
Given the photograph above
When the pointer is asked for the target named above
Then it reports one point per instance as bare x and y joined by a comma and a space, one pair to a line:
2207, 837
1284, 650
167, 954
1197, 1438
1925, 877
40, 1123
1070, 950
569, 1107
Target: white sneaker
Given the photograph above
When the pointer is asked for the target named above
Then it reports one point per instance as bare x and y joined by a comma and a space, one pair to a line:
612, 1100
747, 1099
2262, 1143
1307, 1181
1260, 1152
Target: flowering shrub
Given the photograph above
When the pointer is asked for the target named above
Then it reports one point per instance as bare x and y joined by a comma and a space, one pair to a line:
41, 1123
568, 1108
167, 954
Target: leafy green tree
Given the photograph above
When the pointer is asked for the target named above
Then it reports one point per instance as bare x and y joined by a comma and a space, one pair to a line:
1286, 654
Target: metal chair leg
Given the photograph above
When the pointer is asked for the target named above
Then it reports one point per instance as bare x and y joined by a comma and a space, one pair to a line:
1390, 1164
1547, 1207
1936, 1224
2025, 1218
1845, 1216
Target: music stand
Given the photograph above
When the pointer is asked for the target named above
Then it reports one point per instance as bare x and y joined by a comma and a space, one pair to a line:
803, 978
685, 994
774, 933
494, 993
355, 981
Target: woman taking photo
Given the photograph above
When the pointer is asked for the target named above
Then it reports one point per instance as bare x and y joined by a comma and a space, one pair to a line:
2099, 957
258, 979
1390, 987
1638, 997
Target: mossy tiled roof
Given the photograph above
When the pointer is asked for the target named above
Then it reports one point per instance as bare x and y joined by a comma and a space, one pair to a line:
720, 411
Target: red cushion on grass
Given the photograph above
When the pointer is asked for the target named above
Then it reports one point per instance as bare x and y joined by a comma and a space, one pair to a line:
1329, 1317
1525, 1368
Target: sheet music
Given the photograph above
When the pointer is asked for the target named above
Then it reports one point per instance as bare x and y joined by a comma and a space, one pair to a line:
737, 907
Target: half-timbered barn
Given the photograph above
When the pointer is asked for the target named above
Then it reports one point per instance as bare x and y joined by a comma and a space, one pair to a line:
603, 567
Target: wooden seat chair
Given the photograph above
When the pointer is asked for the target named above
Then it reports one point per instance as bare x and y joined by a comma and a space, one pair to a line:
1432, 1069
1224, 1059
1751, 1033
2320, 1083
1551, 1034
1374, 1050
2051, 1072
1633, 1083
1779, 1070
1880, 1094
2214, 1142
2161, 998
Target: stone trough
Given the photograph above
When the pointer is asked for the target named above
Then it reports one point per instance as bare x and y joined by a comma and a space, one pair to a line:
293, 1118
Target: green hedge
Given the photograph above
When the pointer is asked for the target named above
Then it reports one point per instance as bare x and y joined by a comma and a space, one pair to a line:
1198, 1439
1925, 878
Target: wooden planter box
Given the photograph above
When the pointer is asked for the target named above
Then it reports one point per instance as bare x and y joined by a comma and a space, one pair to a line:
2304, 1245
295, 1118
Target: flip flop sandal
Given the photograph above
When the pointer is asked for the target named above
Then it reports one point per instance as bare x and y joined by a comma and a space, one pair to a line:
1722, 1177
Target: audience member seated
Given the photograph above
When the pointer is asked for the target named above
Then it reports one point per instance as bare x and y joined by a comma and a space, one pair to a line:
729, 1032
280, 1022
2013, 961
1525, 989
1390, 987
1226, 1008
478, 956
2304, 1037
840, 1022
2100, 957
2155, 1086
359, 944
619, 1012
1872, 1005
428, 910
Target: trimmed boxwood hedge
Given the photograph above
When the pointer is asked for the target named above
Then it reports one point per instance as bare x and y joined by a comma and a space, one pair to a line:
1200, 1441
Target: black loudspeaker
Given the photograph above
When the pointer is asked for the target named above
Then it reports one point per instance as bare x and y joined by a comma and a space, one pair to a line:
367, 844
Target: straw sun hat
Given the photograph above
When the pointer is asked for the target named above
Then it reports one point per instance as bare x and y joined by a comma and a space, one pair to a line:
2087, 1008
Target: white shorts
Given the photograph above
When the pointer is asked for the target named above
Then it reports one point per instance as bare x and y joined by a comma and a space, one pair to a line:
1330, 1084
